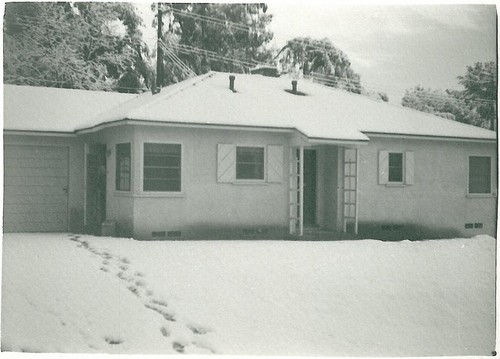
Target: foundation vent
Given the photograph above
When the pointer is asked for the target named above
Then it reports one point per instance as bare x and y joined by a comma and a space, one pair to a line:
392, 227
174, 234
158, 234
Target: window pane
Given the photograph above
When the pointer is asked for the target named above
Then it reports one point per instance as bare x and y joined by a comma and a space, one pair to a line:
162, 160
162, 148
479, 174
161, 173
395, 167
249, 163
122, 178
249, 171
162, 185
162, 167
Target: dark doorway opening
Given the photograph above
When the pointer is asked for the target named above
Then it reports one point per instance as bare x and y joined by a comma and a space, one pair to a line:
310, 188
95, 209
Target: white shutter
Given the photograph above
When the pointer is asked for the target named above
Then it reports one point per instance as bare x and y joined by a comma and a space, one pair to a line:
409, 167
274, 163
383, 167
226, 163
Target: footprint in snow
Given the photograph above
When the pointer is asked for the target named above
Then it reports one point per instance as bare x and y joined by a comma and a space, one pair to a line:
178, 347
113, 341
165, 332
161, 302
167, 315
197, 329
122, 276
134, 290
123, 267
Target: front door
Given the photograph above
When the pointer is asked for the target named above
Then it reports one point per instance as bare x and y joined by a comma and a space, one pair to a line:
96, 188
310, 195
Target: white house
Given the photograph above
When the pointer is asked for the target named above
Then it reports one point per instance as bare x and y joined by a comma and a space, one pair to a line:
212, 155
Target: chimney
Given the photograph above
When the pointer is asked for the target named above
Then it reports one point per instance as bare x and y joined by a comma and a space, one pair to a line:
231, 83
294, 86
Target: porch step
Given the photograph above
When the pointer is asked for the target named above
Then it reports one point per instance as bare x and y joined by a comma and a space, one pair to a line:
313, 230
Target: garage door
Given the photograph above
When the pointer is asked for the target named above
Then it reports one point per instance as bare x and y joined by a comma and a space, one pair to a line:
35, 189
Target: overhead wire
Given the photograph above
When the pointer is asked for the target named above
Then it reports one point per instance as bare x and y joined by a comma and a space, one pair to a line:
186, 49
212, 20
186, 70
332, 80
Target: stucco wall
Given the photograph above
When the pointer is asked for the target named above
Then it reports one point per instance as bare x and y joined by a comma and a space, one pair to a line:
438, 198
204, 204
75, 169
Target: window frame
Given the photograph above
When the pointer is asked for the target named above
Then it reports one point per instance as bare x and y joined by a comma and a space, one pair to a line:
162, 193
480, 194
117, 168
403, 169
264, 162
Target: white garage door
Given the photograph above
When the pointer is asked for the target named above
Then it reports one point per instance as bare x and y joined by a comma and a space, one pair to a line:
35, 189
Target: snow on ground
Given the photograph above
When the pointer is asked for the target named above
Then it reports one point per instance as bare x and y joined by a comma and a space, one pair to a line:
69, 293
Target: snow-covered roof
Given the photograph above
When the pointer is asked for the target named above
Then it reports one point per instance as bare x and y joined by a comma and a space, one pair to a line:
264, 102
30, 108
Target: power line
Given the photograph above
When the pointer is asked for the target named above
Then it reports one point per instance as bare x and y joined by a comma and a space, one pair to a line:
186, 49
212, 20
335, 80
186, 70
214, 55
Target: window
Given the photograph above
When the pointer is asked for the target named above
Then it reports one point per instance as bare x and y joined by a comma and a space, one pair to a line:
479, 174
122, 178
162, 167
395, 167
250, 163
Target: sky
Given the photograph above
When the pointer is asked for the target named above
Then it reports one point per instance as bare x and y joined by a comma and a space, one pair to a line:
395, 47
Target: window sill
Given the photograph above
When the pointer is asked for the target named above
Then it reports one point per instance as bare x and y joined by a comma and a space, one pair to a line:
122, 193
250, 182
480, 195
161, 194
151, 194
395, 184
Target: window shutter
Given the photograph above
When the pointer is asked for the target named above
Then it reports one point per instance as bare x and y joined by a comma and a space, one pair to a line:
383, 167
274, 163
409, 168
226, 163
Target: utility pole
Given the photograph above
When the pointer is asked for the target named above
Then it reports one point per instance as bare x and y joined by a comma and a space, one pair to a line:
159, 52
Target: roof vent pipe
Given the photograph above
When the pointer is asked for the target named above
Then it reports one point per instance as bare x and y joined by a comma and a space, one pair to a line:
231, 83
294, 86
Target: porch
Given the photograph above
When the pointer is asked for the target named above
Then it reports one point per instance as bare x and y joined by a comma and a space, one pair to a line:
323, 192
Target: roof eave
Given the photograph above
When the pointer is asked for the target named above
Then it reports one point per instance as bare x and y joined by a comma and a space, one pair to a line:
39, 133
430, 137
